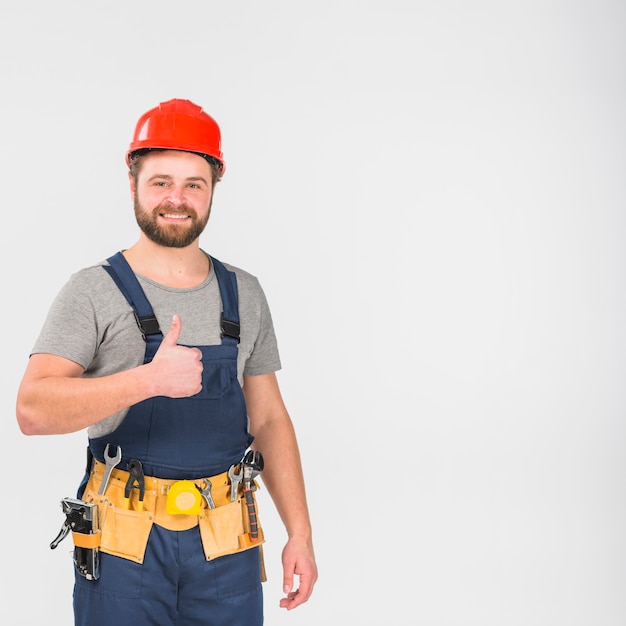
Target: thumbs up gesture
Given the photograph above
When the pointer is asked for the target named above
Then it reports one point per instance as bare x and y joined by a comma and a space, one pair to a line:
176, 370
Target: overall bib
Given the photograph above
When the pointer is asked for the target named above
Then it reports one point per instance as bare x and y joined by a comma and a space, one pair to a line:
182, 439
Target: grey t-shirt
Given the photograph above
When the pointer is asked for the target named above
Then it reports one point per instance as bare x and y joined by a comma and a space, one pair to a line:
91, 323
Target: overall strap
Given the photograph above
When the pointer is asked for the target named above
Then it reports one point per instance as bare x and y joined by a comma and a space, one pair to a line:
124, 277
227, 282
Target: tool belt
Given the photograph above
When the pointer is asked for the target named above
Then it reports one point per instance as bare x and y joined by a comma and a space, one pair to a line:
125, 522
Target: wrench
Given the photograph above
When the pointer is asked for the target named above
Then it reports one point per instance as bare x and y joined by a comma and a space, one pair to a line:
252, 466
235, 479
111, 462
206, 493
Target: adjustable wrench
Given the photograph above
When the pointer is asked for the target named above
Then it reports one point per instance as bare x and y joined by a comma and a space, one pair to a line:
252, 466
206, 493
235, 479
111, 462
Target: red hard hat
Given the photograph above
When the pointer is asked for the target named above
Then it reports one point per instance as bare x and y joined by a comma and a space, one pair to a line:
178, 125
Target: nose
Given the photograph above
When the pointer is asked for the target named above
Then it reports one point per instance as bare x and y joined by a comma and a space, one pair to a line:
175, 196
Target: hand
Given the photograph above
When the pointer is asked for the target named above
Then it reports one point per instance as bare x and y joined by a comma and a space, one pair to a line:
298, 560
177, 370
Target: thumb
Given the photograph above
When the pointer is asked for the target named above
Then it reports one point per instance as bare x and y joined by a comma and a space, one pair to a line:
171, 339
288, 583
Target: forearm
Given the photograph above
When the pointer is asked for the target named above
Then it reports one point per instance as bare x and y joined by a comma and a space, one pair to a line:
275, 438
285, 483
54, 398
283, 477
50, 405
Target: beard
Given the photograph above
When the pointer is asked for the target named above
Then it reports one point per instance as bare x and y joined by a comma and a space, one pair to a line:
170, 235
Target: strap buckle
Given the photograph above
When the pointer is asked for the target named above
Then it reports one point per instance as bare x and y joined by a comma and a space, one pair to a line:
229, 328
148, 325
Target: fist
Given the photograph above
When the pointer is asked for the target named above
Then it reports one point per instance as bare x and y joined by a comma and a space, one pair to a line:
178, 369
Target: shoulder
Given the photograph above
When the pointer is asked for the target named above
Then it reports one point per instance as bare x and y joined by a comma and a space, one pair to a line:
240, 273
247, 283
252, 298
91, 285
89, 275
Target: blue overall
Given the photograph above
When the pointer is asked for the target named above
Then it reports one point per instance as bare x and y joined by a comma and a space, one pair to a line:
186, 438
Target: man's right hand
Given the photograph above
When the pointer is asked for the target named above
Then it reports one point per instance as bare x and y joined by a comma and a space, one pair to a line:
177, 369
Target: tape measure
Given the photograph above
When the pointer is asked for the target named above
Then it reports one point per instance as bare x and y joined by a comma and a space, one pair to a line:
183, 498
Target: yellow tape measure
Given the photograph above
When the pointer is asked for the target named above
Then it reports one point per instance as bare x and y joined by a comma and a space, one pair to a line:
183, 498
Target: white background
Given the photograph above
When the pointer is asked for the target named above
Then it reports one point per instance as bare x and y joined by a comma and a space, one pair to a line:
432, 195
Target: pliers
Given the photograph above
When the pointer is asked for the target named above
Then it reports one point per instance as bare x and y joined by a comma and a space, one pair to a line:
135, 470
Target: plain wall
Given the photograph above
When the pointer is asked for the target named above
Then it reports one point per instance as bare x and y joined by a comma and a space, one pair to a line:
432, 196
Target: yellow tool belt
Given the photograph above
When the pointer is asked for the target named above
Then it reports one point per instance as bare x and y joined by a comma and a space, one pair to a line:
125, 524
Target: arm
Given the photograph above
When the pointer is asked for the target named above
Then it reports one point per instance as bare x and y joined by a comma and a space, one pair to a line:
53, 398
274, 435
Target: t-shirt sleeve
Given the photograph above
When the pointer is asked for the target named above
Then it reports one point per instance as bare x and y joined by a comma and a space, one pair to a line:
69, 330
265, 357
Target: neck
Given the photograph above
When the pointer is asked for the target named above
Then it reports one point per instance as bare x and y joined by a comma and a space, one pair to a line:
174, 267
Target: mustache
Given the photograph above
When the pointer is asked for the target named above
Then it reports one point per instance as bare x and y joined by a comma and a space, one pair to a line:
182, 209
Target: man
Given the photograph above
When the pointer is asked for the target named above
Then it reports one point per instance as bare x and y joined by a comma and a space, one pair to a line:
180, 421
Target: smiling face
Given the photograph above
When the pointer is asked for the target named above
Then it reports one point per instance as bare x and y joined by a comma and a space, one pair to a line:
172, 195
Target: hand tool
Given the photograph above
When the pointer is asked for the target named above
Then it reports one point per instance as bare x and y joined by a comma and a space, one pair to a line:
252, 465
111, 462
235, 479
135, 470
183, 498
206, 493
63, 533
83, 520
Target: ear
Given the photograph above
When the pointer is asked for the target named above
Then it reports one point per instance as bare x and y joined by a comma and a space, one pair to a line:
131, 181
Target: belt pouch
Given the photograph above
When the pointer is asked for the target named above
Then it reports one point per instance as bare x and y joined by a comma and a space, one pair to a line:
124, 532
225, 529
